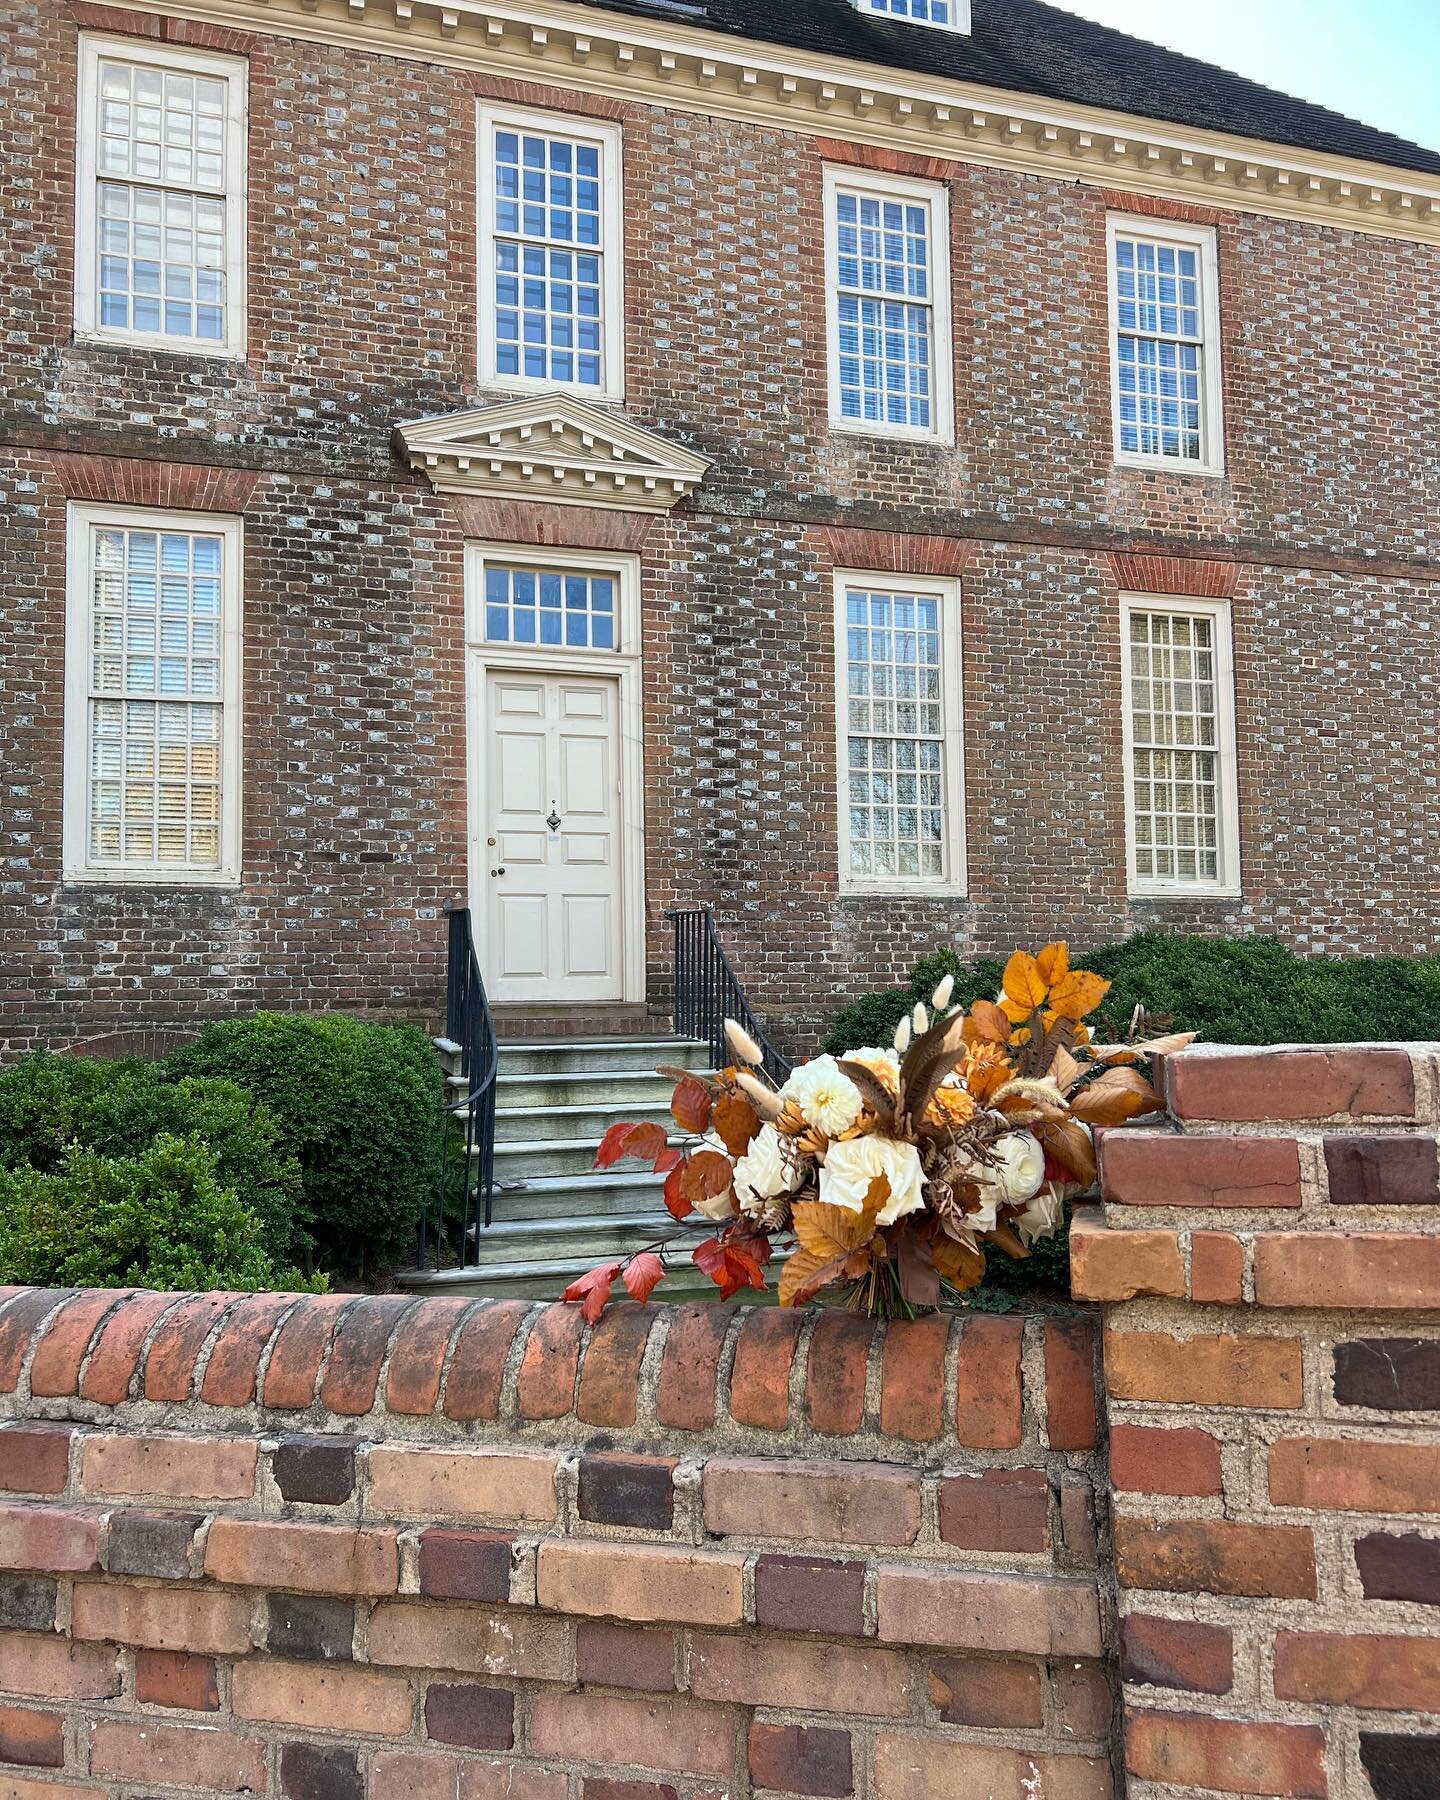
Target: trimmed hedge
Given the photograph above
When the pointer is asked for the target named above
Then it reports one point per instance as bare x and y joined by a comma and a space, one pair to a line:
1231, 990
359, 1106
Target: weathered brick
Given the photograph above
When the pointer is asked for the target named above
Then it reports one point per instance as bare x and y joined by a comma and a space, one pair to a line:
1345, 1475
481, 1780
314, 1471
1384, 1674
167, 1618
800, 1759
176, 1346
325, 1559
310, 1772
27, 1603
178, 1755
1004, 1614
417, 1355
36, 1740
1384, 1270
760, 1372
628, 1490
932, 1768
762, 1670
685, 1393
20, 1316
1216, 1556
1217, 1268
1084, 1700
477, 1367
178, 1679
110, 1371
1151, 1168
1070, 1377
479, 1718
1383, 1171
1389, 1374
154, 1544
352, 1375
300, 1349
545, 1385
610, 1369
624, 1656
232, 1371
1252, 1086
61, 1347
998, 1509
990, 1403
643, 1583
465, 1565
836, 1370
49, 1538
35, 1459
1078, 1527
1230, 1755
912, 1378
831, 1502
678, 1735
322, 1697
810, 1593
1151, 1460
311, 1626
406, 1775
172, 1468
1401, 1767
1399, 1568
459, 1484
1204, 1370
1110, 1264
408, 1635
988, 1692
53, 1668
1177, 1653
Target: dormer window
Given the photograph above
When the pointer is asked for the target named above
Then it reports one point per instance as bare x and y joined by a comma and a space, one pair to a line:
949, 15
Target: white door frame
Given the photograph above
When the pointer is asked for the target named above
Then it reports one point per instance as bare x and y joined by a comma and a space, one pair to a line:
623, 666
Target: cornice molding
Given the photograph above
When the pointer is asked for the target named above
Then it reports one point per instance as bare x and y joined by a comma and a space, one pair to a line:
552, 447
690, 69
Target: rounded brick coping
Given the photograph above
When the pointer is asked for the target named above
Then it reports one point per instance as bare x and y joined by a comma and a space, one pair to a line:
438, 1367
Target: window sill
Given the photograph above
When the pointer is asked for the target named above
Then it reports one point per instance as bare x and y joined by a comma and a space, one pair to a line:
189, 348
1186, 893
522, 387
902, 890
152, 879
893, 434
1170, 465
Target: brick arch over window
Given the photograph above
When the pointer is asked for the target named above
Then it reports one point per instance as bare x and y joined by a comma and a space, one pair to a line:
1137, 573
899, 552
180, 487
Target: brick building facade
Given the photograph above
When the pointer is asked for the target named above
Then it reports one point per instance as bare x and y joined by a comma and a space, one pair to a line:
340, 416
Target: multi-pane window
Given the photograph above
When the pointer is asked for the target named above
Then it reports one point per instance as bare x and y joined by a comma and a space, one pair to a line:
550, 606
899, 737
950, 13
152, 719
1166, 345
889, 305
1180, 744
161, 198
551, 253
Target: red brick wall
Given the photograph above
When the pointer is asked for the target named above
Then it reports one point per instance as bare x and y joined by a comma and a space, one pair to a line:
343, 1547
361, 309
1271, 1266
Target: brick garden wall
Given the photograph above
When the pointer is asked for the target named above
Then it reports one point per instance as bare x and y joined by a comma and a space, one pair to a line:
362, 305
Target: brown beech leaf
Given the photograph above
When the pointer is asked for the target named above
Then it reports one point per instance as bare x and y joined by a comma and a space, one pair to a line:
915, 1265
1024, 983
690, 1104
1065, 1071
961, 1264
592, 1290
707, 1175
642, 1274
1160, 1046
677, 1204
991, 1024
1114, 1097
805, 1274
1005, 1239
648, 1141
1069, 1144
730, 1266
1078, 993
1053, 962
736, 1123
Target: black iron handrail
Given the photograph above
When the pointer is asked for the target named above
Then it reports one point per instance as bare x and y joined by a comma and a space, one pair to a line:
708, 991
466, 1186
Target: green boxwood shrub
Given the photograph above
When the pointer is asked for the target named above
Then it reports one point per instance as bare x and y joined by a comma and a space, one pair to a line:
358, 1104
162, 1219
48, 1104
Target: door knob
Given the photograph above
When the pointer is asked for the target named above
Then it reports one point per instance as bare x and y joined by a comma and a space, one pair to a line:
499, 871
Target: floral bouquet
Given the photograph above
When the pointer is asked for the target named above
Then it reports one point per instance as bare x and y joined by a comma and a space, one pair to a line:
885, 1174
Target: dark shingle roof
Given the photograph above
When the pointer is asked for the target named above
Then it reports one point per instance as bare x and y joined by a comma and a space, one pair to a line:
1027, 47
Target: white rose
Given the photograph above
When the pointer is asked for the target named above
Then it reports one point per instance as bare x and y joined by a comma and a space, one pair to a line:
1021, 1170
849, 1169
1043, 1216
763, 1173
828, 1100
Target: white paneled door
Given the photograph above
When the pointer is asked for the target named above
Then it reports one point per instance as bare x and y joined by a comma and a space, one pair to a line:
553, 839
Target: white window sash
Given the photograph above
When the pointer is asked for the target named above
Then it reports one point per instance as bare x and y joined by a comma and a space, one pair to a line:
169, 59
608, 138
959, 19
1212, 396
1226, 885
952, 882
77, 864
935, 197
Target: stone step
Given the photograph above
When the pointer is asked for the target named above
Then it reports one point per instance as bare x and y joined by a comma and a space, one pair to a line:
586, 1195
557, 1124
618, 1089
586, 1240
641, 1055
546, 1278
519, 1159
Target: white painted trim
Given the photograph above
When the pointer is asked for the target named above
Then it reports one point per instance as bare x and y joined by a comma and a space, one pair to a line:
609, 139
935, 196
1212, 402
623, 665
947, 589
1228, 887
75, 832
146, 53
959, 17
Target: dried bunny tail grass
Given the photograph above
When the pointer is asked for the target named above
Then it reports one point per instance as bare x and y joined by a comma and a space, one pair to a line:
740, 1041
765, 1100
920, 1019
940, 999
1043, 1093
902, 1036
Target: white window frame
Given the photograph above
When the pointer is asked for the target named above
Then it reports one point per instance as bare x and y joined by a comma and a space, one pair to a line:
952, 884
1212, 383
1227, 885
610, 139
936, 196
959, 16
79, 627
146, 54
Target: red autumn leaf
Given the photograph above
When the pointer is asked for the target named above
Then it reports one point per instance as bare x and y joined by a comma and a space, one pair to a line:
676, 1204
612, 1145
736, 1123
729, 1266
691, 1105
707, 1175
592, 1290
669, 1162
642, 1273
647, 1141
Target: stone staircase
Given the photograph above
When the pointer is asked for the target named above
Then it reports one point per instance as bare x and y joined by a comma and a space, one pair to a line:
553, 1215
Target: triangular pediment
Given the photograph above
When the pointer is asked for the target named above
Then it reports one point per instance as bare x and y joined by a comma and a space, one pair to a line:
552, 447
